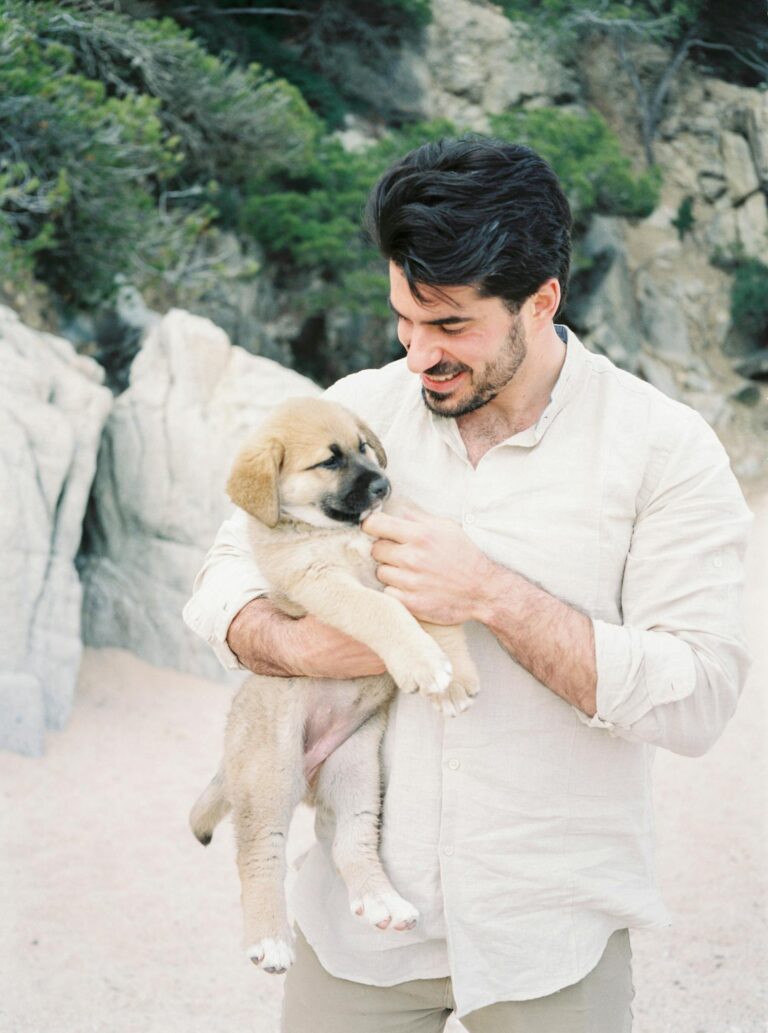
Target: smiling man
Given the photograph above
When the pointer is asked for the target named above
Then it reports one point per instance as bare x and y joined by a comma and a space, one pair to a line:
589, 532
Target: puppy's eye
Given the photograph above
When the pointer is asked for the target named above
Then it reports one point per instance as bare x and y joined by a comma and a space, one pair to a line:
363, 446
332, 463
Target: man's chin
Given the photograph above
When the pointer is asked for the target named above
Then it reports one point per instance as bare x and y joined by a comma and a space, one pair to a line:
451, 405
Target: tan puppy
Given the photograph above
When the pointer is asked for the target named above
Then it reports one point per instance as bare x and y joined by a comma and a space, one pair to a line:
307, 479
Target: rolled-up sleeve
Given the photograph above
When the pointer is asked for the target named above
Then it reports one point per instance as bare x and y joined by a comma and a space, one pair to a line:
228, 579
671, 673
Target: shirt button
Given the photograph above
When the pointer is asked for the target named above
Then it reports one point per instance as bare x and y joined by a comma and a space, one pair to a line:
454, 764
717, 562
447, 850
469, 518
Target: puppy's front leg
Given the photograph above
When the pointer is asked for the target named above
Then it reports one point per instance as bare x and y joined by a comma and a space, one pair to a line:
414, 660
349, 785
465, 683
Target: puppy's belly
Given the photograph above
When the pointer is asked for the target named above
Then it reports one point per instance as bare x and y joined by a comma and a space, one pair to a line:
333, 711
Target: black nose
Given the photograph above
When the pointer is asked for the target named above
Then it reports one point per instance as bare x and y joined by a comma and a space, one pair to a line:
379, 488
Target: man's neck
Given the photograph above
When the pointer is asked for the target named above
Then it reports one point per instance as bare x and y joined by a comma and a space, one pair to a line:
522, 401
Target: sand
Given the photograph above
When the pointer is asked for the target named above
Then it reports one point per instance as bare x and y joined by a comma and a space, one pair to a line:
115, 920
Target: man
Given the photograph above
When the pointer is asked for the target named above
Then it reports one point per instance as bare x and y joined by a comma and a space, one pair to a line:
590, 531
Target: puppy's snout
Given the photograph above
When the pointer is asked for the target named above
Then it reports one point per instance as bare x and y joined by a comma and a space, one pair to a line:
379, 488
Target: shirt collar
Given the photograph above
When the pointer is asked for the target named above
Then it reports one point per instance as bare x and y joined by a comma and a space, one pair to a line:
565, 388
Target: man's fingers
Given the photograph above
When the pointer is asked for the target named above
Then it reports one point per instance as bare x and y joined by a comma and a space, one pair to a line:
396, 529
395, 577
385, 551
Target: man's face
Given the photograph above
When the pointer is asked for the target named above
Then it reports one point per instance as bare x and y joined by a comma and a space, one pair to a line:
465, 348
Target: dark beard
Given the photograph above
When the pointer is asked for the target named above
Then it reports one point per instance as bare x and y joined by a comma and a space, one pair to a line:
494, 378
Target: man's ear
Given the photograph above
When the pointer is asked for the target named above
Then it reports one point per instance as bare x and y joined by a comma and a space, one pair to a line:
253, 483
370, 439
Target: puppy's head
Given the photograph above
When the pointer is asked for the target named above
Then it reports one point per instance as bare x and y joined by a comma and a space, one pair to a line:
312, 460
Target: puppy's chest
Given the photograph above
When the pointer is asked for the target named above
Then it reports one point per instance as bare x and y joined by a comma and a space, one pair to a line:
354, 553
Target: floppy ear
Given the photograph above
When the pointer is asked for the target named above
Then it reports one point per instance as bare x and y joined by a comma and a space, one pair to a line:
371, 439
253, 483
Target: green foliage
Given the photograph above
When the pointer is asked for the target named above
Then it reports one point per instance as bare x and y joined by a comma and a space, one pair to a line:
304, 45
587, 157
749, 299
116, 126
78, 195
684, 220
730, 39
308, 218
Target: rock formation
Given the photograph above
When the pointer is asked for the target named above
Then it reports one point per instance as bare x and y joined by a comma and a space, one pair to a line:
158, 498
52, 410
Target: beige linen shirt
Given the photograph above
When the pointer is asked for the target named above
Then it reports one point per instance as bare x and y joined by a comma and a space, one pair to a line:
522, 830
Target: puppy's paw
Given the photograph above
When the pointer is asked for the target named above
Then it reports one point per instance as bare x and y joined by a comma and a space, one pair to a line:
429, 674
385, 909
271, 954
459, 697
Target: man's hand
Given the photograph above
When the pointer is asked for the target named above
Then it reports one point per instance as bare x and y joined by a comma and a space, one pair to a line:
434, 569
268, 642
429, 564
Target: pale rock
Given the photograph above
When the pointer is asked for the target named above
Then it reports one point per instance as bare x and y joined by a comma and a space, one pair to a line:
739, 170
752, 226
158, 497
53, 406
658, 373
712, 405
744, 228
607, 312
475, 62
712, 183
751, 118
663, 322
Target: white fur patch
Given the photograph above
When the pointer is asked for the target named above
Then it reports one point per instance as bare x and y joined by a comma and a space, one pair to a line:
271, 955
386, 910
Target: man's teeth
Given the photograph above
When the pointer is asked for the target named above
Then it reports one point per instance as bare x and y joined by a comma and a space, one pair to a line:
445, 376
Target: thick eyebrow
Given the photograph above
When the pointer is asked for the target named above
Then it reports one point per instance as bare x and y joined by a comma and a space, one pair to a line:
446, 321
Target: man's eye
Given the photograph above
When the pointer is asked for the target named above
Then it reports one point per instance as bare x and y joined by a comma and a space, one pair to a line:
452, 331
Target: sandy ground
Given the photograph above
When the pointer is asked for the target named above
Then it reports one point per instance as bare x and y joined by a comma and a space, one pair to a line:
115, 920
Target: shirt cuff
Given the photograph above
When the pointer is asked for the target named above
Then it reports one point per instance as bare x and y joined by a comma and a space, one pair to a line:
214, 630
636, 671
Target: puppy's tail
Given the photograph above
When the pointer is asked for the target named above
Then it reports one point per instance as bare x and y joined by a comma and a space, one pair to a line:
209, 810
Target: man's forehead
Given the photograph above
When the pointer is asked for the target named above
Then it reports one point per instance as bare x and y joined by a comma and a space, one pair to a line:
455, 297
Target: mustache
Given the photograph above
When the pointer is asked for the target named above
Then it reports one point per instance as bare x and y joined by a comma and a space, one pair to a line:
445, 369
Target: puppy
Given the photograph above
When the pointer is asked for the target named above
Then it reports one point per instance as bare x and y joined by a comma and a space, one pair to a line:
307, 479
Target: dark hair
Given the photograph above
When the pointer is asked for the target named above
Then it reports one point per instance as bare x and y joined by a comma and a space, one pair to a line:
473, 211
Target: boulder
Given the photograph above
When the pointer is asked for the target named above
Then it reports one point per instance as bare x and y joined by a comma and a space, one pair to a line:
662, 318
605, 311
474, 63
738, 165
158, 497
750, 117
53, 406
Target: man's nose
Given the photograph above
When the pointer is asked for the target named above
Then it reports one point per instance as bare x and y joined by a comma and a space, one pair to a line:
424, 351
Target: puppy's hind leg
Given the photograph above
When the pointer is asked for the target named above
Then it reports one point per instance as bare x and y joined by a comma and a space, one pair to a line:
212, 806
265, 781
350, 786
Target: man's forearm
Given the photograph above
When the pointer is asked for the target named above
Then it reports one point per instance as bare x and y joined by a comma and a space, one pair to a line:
264, 640
550, 639
268, 642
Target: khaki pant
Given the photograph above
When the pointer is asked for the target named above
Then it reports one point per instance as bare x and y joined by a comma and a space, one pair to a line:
316, 1002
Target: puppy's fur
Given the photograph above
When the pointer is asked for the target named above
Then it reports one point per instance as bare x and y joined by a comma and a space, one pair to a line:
307, 479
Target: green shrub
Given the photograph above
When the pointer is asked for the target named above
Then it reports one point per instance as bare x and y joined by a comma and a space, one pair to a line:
309, 219
79, 193
684, 220
116, 127
587, 157
749, 299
